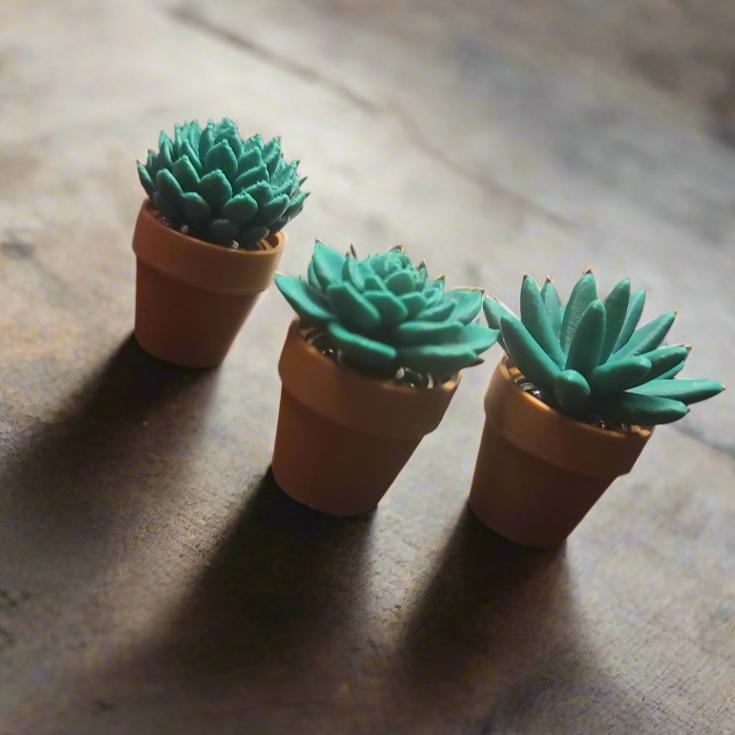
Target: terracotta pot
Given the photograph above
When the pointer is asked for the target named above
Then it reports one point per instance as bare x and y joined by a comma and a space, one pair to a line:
538, 472
192, 297
342, 437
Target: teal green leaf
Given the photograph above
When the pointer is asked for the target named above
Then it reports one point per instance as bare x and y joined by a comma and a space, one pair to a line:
536, 320
400, 282
146, 180
327, 265
304, 300
220, 157
673, 372
169, 194
205, 141
186, 174
616, 309
632, 317
351, 272
613, 377
638, 410
586, 345
571, 390
252, 176
552, 302
647, 338
361, 351
216, 189
272, 210
312, 277
251, 235
478, 337
686, 391
467, 303
250, 159
441, 361
240, 209
187, 151
272, 154
421, 333
438, 313
414, 302
222, 231
583, 294
664, 359
165, 155
392, 310
526, 354
495, 310
196, 210
352, 308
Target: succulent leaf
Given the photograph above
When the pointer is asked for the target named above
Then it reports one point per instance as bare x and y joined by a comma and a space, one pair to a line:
648, 337
467, 303
420, 333
552, 302
616, 307
614, 377
571, 390
306, 301
634, 409
686, 391
536, 319
611, 371
583, 294
665, 359
216, 163
537, 366
586, 346
352, 308
382, 313
632, 317
240, 209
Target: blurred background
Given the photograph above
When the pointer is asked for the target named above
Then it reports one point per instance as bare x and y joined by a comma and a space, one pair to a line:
492, 139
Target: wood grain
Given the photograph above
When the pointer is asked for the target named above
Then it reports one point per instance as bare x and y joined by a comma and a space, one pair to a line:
153, 578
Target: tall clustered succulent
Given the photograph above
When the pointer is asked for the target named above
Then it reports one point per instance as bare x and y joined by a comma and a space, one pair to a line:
219, 187
383, 313
589, 361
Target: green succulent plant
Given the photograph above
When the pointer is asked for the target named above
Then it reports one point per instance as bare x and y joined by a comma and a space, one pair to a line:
220, 187
588, 359
383, 313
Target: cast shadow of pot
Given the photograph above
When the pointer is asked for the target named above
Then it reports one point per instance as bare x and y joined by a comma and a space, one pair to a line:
282, 587
77, 475
482, 628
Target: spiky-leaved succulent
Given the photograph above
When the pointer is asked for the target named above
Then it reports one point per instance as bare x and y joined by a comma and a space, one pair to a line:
383, 313
588, 359
221, 188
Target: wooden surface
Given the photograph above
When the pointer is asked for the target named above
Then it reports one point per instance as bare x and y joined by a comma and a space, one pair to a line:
152, 578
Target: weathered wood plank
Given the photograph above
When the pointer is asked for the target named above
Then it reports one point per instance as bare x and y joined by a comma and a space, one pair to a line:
154, 580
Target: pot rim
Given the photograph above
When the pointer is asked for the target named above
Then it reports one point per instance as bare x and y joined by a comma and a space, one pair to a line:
208, 266
540, 430
346, 396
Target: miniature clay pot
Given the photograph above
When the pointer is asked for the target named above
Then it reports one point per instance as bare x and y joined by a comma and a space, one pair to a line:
538, 472
192, 297
343, 437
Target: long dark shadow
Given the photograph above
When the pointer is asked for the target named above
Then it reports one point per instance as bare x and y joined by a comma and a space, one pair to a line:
134, 413
284, 582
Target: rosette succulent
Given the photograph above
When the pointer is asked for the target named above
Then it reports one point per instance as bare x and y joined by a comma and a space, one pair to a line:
382, 313
218, 187
589, 361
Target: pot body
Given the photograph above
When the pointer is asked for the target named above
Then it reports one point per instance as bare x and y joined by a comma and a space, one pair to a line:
342, 437
191, 296
538, 472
